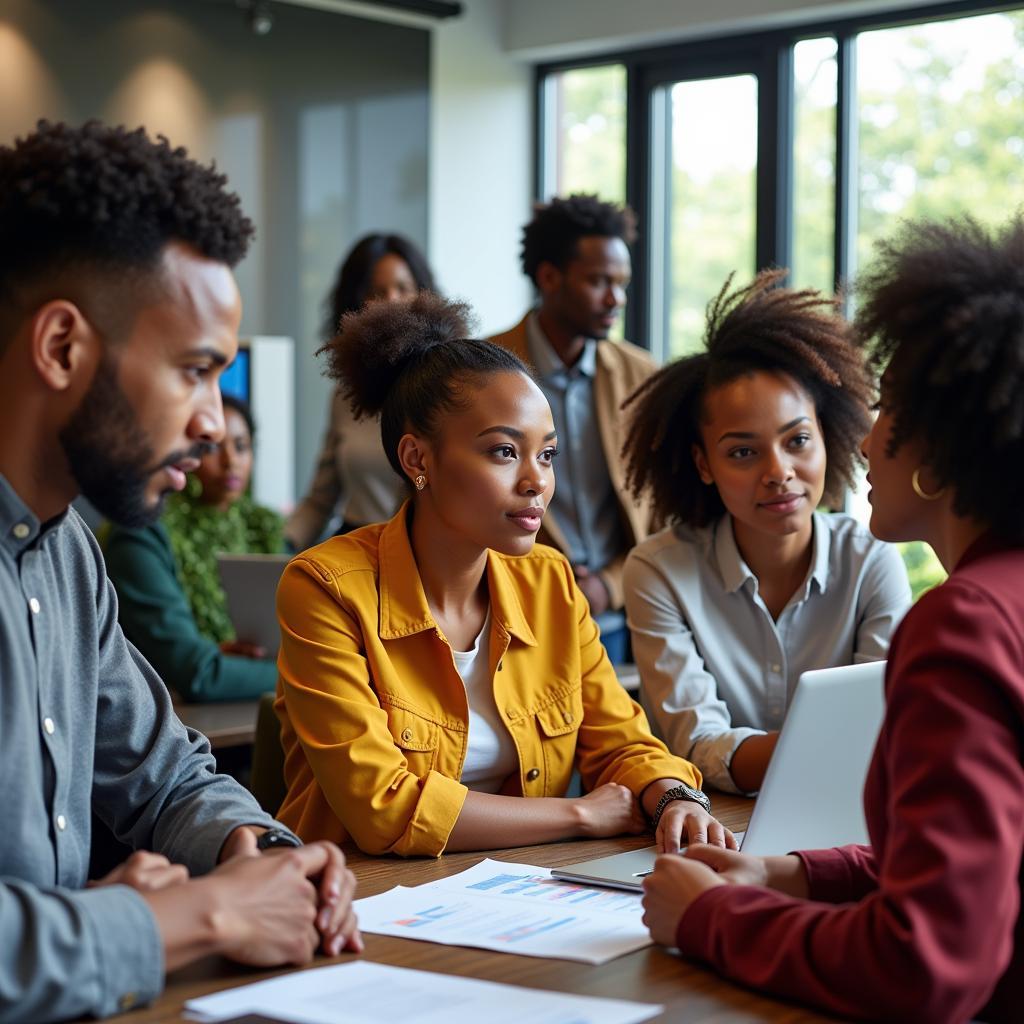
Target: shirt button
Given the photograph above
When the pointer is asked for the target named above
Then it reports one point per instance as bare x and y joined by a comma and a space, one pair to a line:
49, 726
127, 1001
567, 715
407, 735
776, 668
62, 822
21, 530
533, 773
34, 605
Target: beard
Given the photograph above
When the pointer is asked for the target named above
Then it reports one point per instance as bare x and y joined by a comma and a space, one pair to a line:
109, 456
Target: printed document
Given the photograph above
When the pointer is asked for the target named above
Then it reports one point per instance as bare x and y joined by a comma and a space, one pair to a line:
368, 993
512, 908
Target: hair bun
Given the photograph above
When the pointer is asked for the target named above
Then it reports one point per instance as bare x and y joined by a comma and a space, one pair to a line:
375, 344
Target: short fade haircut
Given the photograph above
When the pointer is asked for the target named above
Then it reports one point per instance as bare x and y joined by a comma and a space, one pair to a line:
557, 227
942, 307
105, 199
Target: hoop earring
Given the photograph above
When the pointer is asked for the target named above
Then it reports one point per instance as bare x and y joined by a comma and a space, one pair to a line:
420, 482
915, 482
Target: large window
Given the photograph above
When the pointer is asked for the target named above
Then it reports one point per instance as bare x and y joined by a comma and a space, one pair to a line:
708, 187
799, 148
585, 132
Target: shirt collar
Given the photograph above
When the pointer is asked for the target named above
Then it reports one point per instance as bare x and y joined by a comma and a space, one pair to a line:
821, 540
735, 571
19, 527
546, 360
986, 544
403, 602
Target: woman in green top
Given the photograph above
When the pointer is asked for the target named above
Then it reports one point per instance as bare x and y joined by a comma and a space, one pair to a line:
171, 605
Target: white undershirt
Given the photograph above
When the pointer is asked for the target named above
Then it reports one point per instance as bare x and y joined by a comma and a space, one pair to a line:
490, 754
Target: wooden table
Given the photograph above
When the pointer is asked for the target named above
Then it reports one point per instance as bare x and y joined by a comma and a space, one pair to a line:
224, 723
690, 994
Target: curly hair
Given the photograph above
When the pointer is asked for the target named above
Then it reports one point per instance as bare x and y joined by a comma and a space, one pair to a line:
411, 363
349, 290
99, 198
942, 309
758, 328
557, 226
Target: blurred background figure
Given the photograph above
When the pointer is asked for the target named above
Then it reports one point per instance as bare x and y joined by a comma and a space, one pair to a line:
171, 604
353, 479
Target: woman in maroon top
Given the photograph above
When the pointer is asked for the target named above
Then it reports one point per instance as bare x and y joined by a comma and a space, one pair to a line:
926, 923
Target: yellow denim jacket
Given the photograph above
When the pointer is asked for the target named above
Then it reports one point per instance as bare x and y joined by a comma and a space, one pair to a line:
374, 714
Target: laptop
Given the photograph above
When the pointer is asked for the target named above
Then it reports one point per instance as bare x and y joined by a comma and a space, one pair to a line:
812, 792
250, 586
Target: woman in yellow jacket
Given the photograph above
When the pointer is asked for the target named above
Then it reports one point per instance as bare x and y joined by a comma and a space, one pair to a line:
437, 668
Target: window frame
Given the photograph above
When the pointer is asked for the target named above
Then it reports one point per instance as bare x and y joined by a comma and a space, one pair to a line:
768, 55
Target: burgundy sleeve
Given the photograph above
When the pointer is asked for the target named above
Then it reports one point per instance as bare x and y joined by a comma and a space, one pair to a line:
931, 941
842, 875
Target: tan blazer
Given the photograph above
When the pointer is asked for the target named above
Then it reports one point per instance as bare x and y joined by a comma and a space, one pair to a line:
621, 369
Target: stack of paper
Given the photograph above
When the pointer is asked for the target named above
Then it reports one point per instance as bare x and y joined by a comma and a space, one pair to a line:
368, 993
513, 908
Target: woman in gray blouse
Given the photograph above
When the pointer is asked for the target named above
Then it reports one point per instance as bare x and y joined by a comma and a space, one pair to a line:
750, 584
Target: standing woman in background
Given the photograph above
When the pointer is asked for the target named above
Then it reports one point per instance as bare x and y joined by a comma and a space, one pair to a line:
749, 585
352, 475
926, 923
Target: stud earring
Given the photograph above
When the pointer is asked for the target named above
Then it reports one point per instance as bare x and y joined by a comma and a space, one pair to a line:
915, 482
420, 482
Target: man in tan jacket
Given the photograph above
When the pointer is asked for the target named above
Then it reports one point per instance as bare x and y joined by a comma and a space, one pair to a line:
575, 251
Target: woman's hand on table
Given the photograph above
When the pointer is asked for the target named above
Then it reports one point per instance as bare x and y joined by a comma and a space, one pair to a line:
678, 880
609, 810
686, 822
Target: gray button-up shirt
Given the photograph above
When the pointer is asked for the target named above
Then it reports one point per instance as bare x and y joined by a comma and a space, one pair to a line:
584, 503
715, 666
86, 724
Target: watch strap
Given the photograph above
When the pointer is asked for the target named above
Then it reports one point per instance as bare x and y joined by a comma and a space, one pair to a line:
274, 838
680, 792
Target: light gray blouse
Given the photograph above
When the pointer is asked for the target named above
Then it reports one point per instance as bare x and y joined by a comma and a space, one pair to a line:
715, 667
86, 726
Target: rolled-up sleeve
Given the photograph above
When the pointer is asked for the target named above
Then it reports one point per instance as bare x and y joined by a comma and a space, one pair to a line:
70, 953
678, 692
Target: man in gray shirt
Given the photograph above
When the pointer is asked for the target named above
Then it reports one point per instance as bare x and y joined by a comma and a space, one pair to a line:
118, 310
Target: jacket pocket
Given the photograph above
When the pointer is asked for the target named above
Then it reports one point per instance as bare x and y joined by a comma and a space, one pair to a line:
558, 723
415, 736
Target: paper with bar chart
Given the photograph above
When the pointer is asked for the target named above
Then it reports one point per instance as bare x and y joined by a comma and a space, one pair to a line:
513, 908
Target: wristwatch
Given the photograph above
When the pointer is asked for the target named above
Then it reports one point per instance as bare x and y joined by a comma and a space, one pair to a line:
275, 837
680, 792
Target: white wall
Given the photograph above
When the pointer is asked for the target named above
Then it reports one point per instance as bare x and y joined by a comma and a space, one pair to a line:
541, 30
481, 146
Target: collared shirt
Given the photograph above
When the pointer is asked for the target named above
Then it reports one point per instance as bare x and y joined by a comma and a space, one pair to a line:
86, 725
715, 666
584, 501
374, 715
